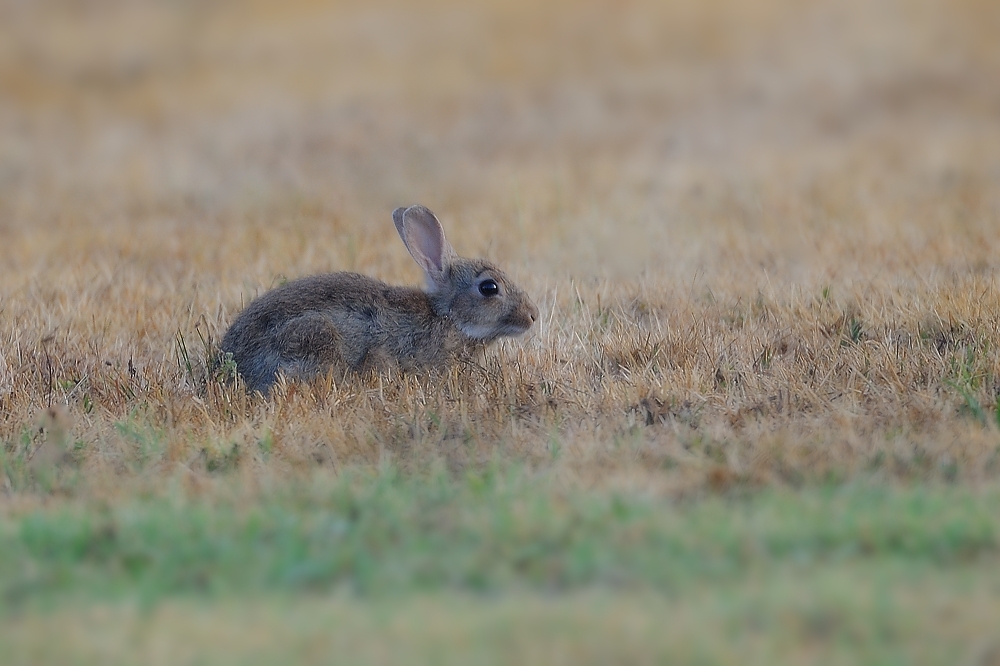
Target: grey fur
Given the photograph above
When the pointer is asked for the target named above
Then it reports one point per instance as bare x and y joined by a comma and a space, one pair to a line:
346, 322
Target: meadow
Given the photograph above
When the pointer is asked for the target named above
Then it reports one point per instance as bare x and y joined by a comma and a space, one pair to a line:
757, 421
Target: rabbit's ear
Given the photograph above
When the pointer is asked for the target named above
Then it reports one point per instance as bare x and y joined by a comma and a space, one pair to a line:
424, 238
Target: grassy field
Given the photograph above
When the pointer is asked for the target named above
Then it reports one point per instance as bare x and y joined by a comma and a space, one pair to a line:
758, 420
498, 568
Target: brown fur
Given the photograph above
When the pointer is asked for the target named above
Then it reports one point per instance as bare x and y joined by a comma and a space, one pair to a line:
346, 322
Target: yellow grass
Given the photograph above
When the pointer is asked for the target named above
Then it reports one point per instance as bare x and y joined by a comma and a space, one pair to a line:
777, 622
763, 236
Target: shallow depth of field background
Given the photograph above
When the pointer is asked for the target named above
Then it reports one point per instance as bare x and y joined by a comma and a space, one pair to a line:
764, 239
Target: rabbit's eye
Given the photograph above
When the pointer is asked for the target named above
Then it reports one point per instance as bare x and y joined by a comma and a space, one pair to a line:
489, 288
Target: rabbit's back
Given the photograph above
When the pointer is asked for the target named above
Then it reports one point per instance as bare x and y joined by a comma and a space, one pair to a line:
343, 321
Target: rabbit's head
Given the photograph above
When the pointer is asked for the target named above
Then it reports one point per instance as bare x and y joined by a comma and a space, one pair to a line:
475, 294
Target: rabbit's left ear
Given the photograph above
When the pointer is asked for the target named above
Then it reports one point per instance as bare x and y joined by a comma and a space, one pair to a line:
424, 238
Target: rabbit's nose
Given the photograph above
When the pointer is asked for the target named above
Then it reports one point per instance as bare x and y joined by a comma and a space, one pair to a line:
532, 312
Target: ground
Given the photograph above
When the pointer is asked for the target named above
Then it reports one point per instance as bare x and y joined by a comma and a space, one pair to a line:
756, 421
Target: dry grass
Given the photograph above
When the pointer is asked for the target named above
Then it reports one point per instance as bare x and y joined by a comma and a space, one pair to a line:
772, 622
763, 236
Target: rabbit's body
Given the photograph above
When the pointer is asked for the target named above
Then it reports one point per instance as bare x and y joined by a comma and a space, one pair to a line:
346, 322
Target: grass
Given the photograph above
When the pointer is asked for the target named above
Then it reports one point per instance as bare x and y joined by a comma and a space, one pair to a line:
485, 533
494, 567
814, 294
892, 619
893, 615
763, 389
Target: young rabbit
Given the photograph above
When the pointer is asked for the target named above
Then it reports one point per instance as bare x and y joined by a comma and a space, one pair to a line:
350, 322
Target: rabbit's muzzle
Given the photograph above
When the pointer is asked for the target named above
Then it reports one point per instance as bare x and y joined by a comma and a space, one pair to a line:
521, 319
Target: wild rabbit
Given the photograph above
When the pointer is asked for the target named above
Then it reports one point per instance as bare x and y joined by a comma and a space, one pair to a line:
348, 322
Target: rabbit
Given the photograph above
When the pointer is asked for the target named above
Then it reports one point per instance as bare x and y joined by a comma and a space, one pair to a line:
347, 322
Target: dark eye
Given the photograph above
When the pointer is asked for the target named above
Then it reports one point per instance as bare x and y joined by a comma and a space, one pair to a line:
489, 288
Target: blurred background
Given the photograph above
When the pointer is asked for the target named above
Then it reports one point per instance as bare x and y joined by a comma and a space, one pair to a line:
581, 138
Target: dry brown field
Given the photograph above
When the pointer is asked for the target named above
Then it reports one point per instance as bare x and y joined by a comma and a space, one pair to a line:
763, 236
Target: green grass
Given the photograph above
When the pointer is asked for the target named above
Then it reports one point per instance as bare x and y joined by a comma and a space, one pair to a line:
485, 532
501, 567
